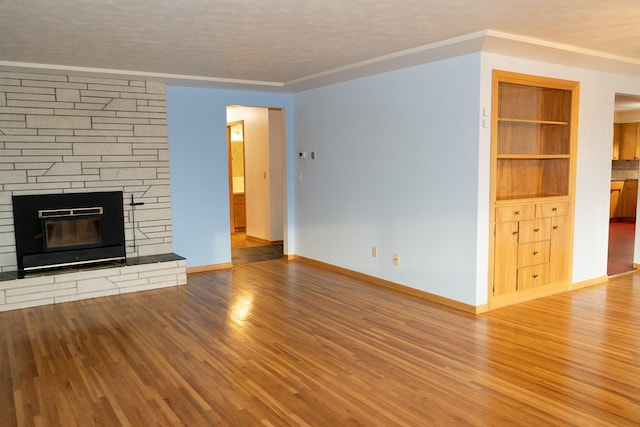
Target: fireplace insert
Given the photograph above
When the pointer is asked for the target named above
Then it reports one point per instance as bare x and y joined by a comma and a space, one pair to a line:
62, 230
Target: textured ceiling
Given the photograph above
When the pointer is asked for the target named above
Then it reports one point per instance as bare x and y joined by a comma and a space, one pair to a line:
284, 41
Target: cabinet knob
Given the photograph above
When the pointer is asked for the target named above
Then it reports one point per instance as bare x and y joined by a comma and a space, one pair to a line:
555, 227
554, 209
535, 252
516, 213
535, 276
536, 229
515, 233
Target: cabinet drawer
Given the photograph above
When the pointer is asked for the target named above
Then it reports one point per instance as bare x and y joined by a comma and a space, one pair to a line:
534, 230
532, 277
545, 210
238, 199
533, 253
515, 213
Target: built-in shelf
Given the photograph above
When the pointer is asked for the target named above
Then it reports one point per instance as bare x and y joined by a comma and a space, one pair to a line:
532, 122
533, 167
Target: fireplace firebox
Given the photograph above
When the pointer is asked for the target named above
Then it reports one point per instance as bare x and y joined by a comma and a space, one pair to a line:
62, 230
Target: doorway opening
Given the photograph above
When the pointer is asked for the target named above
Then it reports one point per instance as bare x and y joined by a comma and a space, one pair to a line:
624, 184
257, 185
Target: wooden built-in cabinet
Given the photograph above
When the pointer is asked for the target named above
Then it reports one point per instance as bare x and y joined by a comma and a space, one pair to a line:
615, 155
526, 237
628, 199
626, 141
239, 211
534, 122
624, 199
614, 201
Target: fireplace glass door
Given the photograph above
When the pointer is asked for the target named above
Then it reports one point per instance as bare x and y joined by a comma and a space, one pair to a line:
71, 232
76, 227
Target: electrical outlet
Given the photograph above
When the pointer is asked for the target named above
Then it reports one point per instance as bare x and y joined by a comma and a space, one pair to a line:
374, 251
396, 259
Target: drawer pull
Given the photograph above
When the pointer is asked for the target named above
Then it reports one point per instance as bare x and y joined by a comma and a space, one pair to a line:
554, 209
516, 213
555, 227
515, 233
536, 229
535, 276
535, 252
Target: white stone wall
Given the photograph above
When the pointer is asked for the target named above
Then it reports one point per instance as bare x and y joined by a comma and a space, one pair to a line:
67, 133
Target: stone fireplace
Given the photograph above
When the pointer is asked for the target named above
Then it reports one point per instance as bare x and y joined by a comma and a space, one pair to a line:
63, 134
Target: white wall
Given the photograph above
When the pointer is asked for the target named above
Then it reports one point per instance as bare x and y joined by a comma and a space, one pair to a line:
396, 168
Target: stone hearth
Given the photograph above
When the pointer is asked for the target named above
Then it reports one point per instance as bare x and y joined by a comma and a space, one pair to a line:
136, 274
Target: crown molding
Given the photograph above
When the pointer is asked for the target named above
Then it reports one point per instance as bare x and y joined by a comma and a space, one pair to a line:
177, 79
481, 41
558, 53
432, 52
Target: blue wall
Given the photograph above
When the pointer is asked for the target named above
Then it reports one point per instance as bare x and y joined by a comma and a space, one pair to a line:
397, 168
197, 127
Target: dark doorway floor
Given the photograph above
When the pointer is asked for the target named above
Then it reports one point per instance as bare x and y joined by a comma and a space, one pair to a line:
256, 254
244, 251
621, 241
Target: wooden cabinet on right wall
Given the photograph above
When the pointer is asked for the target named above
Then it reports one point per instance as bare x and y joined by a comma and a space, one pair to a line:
534, 122
627, 139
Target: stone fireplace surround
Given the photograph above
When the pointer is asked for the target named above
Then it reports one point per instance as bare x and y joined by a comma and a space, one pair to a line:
69, 133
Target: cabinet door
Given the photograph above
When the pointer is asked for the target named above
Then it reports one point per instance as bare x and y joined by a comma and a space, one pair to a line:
628, 200
632, 198
616, 141
240, 216
559, 261
628, 141
613, 202
505, 258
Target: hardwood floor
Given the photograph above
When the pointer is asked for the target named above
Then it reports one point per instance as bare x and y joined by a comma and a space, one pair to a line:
239, 240
290, 344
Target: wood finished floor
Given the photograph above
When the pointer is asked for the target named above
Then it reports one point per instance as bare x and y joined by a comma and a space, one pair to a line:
290, 344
